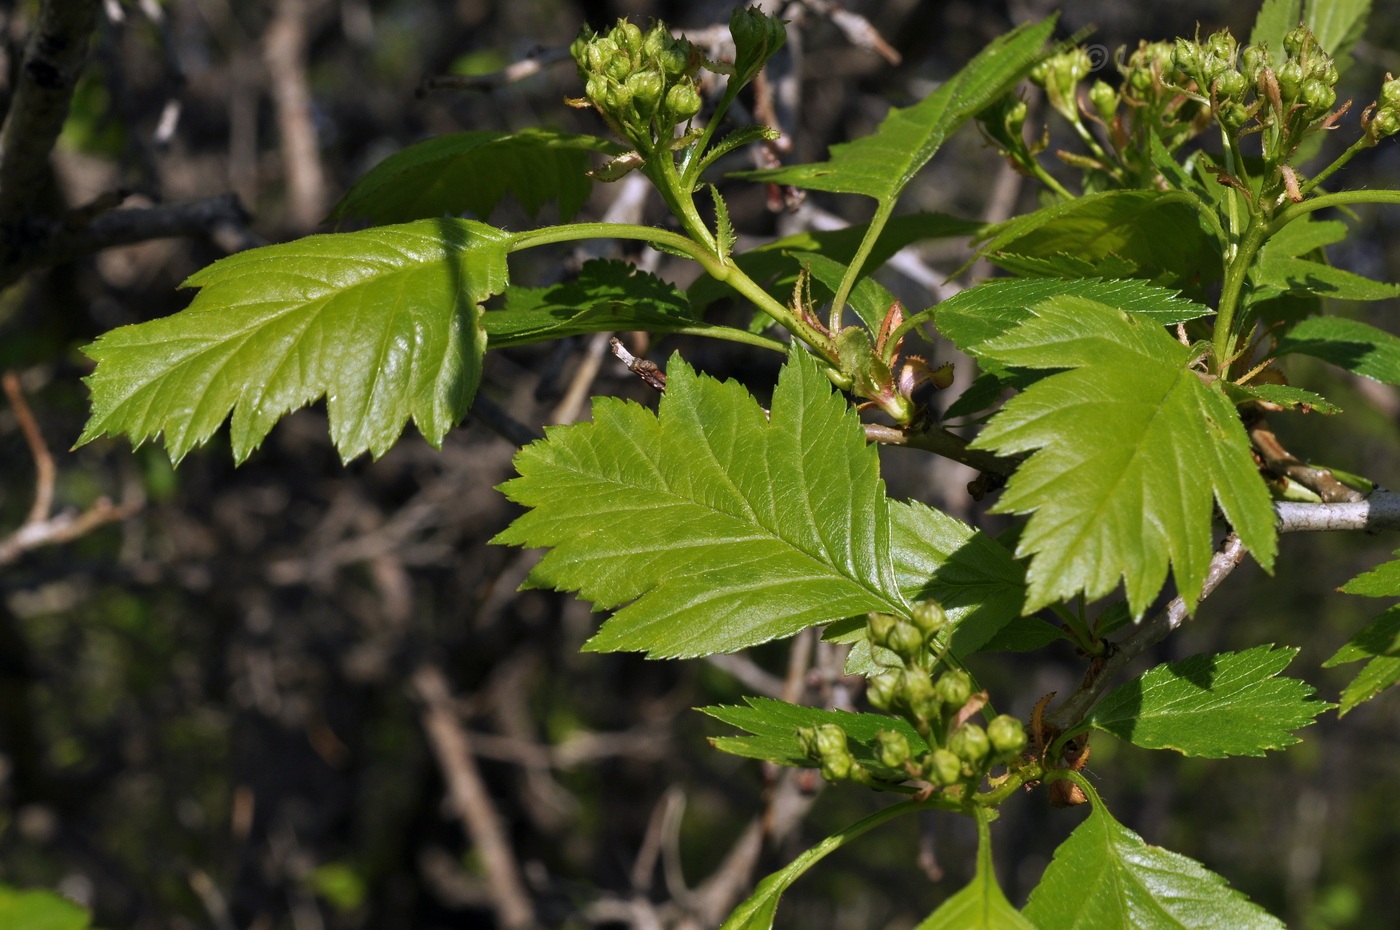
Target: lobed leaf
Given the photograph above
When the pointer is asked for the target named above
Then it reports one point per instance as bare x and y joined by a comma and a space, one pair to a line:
773, 728
1381, 581
1349, 344
607, 295
881, 164
723, 528
1105, 875
1378, 641
1229, 704
384, 323
1282, 395
1130, 450
981, 905
472, 172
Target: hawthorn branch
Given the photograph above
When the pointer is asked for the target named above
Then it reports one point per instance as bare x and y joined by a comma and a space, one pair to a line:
1379, 511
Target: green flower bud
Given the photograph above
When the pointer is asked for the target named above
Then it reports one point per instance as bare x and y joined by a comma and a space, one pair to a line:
1294, 41
928, 615
580, 46
1139, 80
969, 742
1290, 81
1386, 123
1318, 97
942, 768
954, 688
646, 87
1254, 60
1221, 45
907, 642
1007, 736
885, 691
1040, 73
807, 739
627, 36
918, 694
892, 748
1105, 99
1325, 70
618, 67
1187, 56
1233, 114
880, 626
682, 102
834, 754
1231, 85
757, 37
1390, 92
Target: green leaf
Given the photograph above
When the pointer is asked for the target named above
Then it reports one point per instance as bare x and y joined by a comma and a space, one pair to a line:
1275, 19
1379, 641
1338, 25
1348, 344
1280, 269
981, 905
385, 323
982, 313
40, 910
869, 299
723, 528
1160, 232
724, 230
1063, 265
473, 171
773, 265
607, 295
1024, 634
1229, 704
1290, 398
881, 164
1106, 876
1381, 581
1130, 448
773, 725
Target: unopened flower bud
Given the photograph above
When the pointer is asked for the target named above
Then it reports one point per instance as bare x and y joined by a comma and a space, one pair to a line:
880, 626
757, 36
906, 641
1231, 85
1222, 46
1254, 60
1325, 70
969, 742
1187, 56
892, 748
954, 688
885, 691
682, 102
929, 617
1290, 81
646, 87
1294, 40
833, 753
1105, 99
1007, 736
1386, 123
1318, 97
628, 37
1390, 92
919, 696
942, 768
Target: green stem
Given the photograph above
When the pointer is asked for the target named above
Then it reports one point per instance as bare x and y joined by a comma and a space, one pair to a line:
733, 335
1342, 159
1340, 199
695, 154
729, 274
1044, 177
1031, 771
1235, 274
848, 281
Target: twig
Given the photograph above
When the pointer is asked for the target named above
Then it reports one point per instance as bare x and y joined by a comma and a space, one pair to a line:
643, 368
452, 748
44, 471
1149, 634
748, 674
285, 56
1379, 511
572, 404
856, 28
53, 59
1280, 461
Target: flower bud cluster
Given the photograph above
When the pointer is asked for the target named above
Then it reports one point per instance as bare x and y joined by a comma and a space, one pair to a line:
959, 752
643, 83
1383, 117
1060, 75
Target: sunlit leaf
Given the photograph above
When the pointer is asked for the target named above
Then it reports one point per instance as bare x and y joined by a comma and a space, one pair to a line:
1350, 344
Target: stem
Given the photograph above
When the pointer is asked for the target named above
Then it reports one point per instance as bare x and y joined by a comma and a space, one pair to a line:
1031, 771
733, 335
729, 274
1342, 159
1339, 199
1235, 273
848, 281
695, 157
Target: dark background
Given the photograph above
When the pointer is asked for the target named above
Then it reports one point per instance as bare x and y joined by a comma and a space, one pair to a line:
208, 711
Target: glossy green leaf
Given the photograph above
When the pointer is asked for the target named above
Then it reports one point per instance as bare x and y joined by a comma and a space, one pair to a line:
773, 266
1063, 265
473, 172
981, 905
1281, 267
384, 323
1106, 877
978, 314
1160, 232
40, 910
1129, 452
1350, 344
881, 164
1229, 704
607, 295
1381, 581
772, 726
1283, 395
723, 528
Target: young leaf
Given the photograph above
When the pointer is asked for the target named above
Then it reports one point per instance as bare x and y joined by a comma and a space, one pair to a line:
1105, 875
1281, 269
981, 905
773, 725
1129, 449
1282, 395
1348, 344
724, 230
385, 323
607, 295
723, 528
1230, 704
1379, 641
1160, 232
473, 171
979, 314
880, 164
